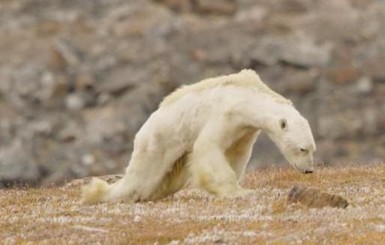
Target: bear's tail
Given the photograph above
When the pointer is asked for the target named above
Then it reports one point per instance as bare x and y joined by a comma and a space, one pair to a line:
95, 191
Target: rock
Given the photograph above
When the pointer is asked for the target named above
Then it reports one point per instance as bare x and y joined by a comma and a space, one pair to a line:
294, 6
26, 86
374, 68
62, 54
17, 164
347, 125
177, 5
138, 219
48, 28
331, 21
227, 7
88, 159
267, 51
10, 120
104, 123
302, 51
343, 75
118, 82
301, 82
84, 81
55, 60
254, 14
314, 198
75, 102
57, 178
81, 99
54, 89
139, 19
364, 85
71, 131
297, 50
331, 127
42, 127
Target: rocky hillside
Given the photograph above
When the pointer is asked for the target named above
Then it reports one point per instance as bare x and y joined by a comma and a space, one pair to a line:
78, 78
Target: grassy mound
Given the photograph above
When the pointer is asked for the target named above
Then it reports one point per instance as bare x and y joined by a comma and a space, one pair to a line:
55, 216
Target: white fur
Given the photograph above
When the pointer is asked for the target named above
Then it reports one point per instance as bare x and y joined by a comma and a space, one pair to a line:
206, 131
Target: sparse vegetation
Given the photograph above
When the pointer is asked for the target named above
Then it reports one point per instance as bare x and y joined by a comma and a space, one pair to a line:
55, 216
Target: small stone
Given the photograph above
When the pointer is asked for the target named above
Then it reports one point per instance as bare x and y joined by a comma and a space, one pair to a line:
103, 99
267, 52
343, 75
364, 85
137, 219
295, 6
75, 102
117, 88
84, 81
198, 54
178, 5
68, 52
255, 14
62, 55
55, 87
70, 132
121, 81
314, 198
42, 127
55, 60
225, 7
174, 242
300, 82
375, 69
88, 159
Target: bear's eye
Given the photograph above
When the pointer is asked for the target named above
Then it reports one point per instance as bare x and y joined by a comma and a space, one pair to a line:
283, 123
304, 150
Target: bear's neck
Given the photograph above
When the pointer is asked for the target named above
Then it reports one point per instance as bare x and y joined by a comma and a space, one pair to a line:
261, 111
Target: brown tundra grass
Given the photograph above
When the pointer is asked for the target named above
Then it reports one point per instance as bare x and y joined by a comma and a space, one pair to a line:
55, 216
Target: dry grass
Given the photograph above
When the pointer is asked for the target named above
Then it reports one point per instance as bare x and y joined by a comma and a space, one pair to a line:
54, 216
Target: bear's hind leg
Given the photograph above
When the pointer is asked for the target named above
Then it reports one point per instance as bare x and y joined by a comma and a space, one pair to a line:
144, 175
174, 180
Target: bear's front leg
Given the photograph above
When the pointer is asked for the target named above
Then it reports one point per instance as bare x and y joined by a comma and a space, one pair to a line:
210, 168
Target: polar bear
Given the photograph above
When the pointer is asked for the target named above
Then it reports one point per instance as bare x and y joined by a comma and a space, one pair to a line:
206, 131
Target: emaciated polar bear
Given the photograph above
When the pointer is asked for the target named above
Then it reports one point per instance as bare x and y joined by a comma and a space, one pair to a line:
207, 130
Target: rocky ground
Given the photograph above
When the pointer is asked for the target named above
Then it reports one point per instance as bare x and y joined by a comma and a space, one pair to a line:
55, 216
78, 78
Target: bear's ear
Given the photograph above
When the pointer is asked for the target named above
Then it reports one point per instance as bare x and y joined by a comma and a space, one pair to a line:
283, 123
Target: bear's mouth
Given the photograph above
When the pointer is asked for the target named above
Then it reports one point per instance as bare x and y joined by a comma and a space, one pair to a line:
304, 171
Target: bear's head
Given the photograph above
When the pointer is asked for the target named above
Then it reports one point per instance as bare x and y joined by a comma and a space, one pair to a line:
292, 134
